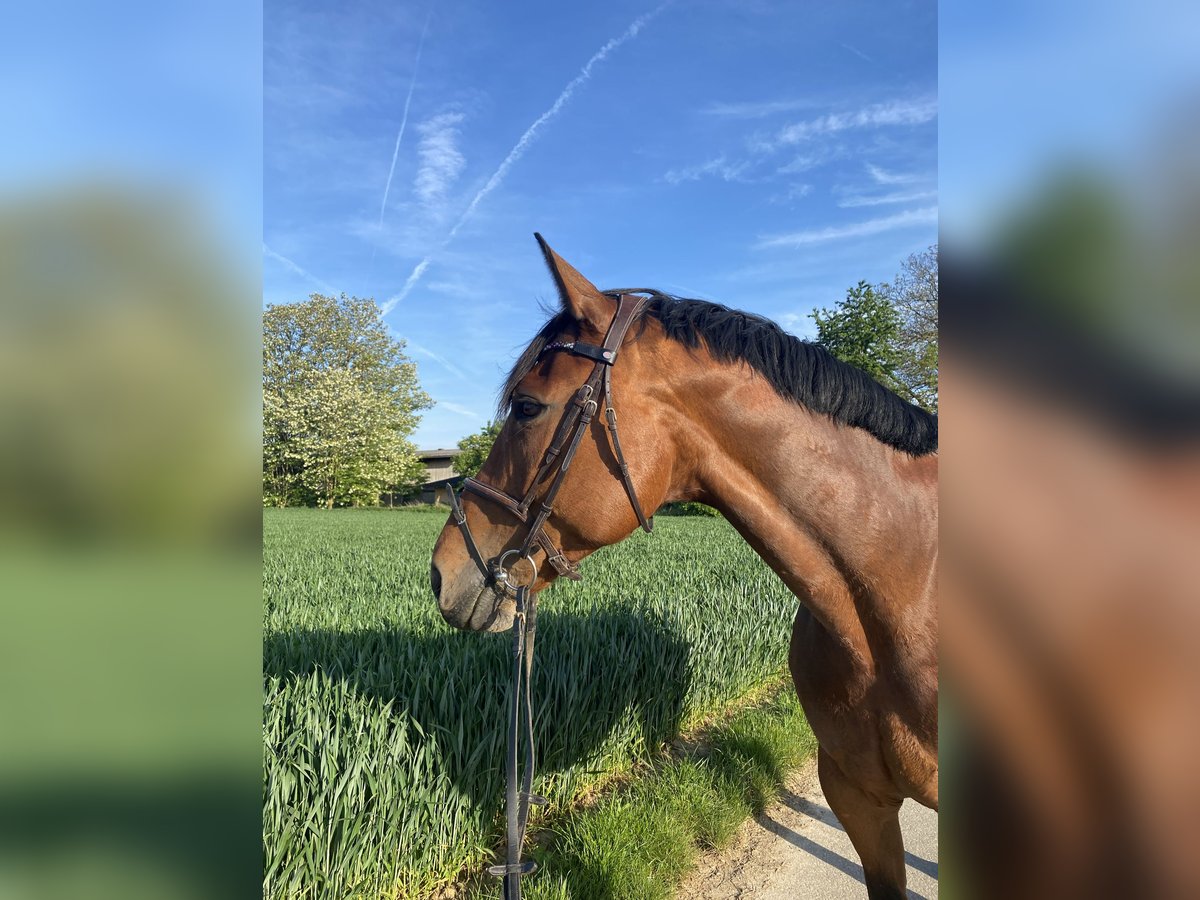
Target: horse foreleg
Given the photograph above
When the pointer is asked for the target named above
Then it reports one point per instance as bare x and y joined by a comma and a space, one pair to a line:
873, 827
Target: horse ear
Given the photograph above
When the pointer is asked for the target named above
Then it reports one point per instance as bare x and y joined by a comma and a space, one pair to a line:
579, 296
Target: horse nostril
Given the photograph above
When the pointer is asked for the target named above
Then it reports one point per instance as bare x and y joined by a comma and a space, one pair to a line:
435, 579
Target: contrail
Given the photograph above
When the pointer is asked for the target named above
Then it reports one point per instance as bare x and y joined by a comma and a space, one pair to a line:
436, 357
404, 118
409, 284
279, 257
522, 145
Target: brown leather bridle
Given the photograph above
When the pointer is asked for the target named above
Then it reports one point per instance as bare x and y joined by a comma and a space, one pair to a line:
573, 425
565, 443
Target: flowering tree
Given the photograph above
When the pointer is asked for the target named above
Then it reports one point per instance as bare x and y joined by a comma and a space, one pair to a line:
340, 399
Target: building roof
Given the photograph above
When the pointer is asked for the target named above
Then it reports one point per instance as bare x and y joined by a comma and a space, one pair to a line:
435, 454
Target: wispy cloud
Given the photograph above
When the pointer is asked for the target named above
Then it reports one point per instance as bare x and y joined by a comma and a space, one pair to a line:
815, 157
896, 112
461, 410
794, 192
855, 200
883, 176
404, 117
682, 290
719, 167
522, 145
852, 49
907, 219
756, 109
441, 161
799, 324
303, 273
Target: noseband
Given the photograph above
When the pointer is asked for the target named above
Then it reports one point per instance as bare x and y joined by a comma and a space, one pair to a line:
575, 421
570, 431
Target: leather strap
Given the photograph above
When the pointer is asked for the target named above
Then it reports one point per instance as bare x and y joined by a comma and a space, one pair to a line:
496, 496
554, 556
557, 559
610, 414
460, 519
520, 707
562, 434
602, 355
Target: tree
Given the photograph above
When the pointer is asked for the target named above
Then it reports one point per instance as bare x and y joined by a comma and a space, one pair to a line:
864, 330
914, 295
339, 402
475, 449
890, 330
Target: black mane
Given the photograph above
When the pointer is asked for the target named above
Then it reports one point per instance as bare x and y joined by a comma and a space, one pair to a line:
799, 371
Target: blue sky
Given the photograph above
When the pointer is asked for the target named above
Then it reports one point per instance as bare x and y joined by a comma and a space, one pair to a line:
762, 155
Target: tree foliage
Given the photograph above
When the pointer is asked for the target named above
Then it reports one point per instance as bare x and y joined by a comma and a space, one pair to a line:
890, 330
914, 295
863, 330
340, 399
475, 449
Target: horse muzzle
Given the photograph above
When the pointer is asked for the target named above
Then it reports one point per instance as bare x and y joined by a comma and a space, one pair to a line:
472, 603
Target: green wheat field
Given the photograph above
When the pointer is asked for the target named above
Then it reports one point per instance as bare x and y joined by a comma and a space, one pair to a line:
383, 728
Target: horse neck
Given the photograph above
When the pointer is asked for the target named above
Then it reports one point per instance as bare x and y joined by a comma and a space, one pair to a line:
845, 520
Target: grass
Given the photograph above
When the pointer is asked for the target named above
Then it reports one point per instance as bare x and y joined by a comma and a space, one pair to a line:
383, 727
638, 843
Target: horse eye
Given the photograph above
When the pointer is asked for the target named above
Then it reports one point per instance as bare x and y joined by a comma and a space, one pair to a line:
527, 409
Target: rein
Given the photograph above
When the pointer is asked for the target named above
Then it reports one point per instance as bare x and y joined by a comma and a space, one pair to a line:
563, 447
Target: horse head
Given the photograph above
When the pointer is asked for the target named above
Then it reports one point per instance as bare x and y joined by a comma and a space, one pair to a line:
561, 479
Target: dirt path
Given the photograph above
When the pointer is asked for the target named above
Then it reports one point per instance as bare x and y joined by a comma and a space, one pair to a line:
797, 849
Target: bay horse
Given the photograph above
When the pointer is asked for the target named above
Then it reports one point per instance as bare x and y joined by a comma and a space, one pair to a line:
830, 477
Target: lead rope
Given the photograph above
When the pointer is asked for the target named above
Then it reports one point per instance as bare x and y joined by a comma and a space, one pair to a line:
520, 706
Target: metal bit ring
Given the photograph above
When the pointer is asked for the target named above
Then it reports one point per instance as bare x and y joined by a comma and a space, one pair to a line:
502, 572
